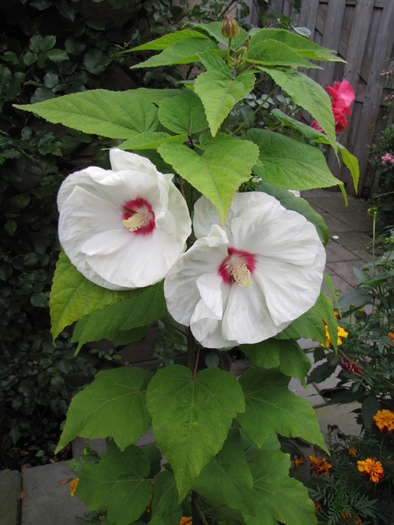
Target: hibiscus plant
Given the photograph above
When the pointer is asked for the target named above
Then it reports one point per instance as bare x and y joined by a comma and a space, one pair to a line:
195, 224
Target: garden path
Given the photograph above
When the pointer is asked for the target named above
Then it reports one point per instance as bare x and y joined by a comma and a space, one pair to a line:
41, 495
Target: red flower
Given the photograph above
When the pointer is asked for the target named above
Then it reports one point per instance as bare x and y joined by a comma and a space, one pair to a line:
348, 366
342, 97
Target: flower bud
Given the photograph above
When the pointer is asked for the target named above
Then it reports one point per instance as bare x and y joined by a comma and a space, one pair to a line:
230, 28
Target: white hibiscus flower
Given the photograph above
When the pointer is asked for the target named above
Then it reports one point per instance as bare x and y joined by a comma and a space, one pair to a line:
247, 281
122, 228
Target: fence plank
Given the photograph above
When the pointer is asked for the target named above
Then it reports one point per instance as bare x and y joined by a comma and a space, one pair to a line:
361, 31
383, 50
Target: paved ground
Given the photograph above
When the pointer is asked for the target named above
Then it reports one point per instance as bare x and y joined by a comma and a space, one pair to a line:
41, 495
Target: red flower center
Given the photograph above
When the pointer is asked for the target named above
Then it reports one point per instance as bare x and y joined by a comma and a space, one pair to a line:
138, 216
237, 267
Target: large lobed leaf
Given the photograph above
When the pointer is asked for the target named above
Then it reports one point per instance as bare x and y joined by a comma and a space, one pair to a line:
191, 417
218, 172
185, 51
117, 484
227, 479
302, 46
136, 311
349, 160
307, 94
74, 298
218, 90
165, 509
113, 114
287, 355
278, 498
113, 405
275, 53
183, 114
290, 164
272, 408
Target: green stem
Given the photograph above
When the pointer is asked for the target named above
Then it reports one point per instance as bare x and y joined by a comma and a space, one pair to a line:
373, 242
191, 350
195, 509
228, 52
254, 112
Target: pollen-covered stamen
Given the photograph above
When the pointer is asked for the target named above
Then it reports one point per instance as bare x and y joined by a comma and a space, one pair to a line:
241, 275
138, 216
237, 267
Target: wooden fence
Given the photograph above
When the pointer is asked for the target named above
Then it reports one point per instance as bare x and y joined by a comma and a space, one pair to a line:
362, 31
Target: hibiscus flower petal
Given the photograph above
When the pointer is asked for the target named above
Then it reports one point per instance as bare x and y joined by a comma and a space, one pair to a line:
122, 229
268, 272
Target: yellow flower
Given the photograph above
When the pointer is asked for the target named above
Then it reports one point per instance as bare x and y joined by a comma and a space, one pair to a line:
391, 335
384, 420
353, 452
342, 334
371, 470
73, 486
185, 521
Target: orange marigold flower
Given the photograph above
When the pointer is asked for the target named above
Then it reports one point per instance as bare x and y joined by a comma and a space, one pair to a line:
384, 420
317, 506
371, 470
353, 452
73, 486
391, 335
346, 516
297, 461
319, 465
185, 521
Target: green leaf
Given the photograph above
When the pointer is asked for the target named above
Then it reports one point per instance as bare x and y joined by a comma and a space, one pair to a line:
307, 94
349, 160
351, 163
113, 405
191, 417
301, 206
183, 113
302, 46
310, 324
168, 40
116, 484
227, 480
218, 90
165, 508
271, 407
275, 53
141, 309
278, 498
185, 51
151, 140
57, 55
113, 114
214, 29
218, 173
290, 164
73, 296
287, 355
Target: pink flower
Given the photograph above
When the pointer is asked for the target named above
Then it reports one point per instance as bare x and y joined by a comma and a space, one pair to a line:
342, 97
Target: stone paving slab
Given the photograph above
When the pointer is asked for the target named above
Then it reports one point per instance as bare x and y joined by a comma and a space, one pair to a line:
46, 496
10, 497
